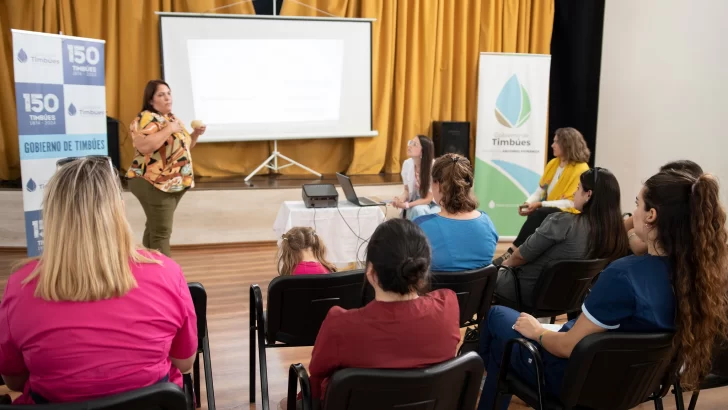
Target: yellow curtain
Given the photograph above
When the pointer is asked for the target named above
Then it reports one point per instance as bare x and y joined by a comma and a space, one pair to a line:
425, 59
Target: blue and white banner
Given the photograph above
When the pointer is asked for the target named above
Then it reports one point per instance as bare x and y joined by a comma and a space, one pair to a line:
510, 142
60, 98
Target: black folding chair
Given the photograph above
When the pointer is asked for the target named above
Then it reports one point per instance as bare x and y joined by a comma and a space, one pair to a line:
561, 288
606, 371
160, 396
718, 377
451, 385
199, 299
474, 290
297, 306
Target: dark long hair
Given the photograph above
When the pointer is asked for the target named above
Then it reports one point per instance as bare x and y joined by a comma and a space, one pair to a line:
691, 233
684, 165
428, 154
455, 176
400, 256
607, 235
149, 91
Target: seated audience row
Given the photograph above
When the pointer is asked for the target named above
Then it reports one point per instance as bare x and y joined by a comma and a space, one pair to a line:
118, 300
679, 285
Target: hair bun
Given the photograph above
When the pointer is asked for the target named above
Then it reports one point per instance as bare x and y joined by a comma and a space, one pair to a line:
411, 270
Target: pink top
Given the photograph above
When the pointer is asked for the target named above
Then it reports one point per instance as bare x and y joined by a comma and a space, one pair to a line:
76, 351
309, 268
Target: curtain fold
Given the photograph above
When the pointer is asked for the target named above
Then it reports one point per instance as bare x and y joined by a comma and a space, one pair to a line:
425, 60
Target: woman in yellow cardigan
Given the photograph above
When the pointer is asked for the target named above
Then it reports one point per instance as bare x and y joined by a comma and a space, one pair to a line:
556, 188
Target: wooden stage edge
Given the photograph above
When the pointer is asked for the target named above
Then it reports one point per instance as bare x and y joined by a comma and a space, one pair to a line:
272, 181
218, 211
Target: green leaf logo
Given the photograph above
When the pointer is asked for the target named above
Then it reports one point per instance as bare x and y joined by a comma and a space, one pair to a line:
513, 106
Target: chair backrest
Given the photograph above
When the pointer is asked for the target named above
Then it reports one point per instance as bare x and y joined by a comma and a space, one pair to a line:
160, 396
451, 385
297, 305
615, 370
474, 289
199, 299
563, 285
720, 360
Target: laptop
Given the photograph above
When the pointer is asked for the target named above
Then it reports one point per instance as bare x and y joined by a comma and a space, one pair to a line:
348, 189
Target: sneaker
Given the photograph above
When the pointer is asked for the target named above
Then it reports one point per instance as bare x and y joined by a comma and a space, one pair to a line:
506, 255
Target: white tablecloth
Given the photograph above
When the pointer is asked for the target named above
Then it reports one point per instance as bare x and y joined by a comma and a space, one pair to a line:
331, 226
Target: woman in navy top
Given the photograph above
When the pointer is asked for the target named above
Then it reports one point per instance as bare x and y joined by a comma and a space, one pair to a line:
461, 236
680, 286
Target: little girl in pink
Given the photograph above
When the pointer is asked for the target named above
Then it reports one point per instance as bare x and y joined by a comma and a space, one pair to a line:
302, 252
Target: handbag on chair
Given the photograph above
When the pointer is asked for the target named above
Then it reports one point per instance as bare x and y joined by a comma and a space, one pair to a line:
471, 341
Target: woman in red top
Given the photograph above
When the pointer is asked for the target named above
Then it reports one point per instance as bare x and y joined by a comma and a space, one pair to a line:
398, 330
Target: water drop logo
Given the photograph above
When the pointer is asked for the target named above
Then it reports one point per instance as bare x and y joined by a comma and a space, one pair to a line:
31, 185
491, 204
22, 56
71, 110
513, 106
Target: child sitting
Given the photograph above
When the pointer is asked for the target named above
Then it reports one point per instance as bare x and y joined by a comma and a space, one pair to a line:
302, 252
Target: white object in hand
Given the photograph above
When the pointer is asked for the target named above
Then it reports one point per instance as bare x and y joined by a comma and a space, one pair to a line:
197, 124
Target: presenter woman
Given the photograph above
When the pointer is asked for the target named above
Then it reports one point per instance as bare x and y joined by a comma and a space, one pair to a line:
416, 200
556, 188
161, 171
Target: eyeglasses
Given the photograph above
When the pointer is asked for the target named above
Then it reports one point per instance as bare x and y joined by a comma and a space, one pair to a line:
411, 143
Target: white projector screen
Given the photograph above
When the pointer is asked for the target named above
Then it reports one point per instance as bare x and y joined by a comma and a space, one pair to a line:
252, 78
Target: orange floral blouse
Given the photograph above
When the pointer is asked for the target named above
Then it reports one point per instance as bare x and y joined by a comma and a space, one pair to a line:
169, 168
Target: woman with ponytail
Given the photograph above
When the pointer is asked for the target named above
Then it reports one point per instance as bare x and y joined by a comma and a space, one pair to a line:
402, 328
461, 236
679, 286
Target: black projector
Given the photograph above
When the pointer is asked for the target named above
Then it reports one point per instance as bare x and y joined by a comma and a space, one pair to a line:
320, 196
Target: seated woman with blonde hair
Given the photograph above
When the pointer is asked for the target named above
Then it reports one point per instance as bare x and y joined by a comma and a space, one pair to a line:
95, 314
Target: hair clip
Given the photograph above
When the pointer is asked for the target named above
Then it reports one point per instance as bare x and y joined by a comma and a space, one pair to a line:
455, 159
284, 237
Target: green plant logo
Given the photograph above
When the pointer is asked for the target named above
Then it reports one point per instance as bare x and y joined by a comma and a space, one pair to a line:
513, 106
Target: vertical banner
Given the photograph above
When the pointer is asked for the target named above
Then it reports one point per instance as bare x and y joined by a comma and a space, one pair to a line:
60, 99
511, 133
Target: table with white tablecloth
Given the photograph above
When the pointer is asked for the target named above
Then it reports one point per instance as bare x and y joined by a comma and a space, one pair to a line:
344, 230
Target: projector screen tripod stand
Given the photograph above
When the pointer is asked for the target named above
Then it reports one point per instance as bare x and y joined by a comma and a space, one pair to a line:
275, 167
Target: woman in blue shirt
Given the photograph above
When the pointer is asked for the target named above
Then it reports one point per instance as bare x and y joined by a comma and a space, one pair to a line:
682, 221
461, 236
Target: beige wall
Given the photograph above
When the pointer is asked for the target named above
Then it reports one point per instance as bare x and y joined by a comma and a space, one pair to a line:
664, 89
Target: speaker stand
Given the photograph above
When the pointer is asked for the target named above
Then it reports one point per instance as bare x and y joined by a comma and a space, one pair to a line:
274, 157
